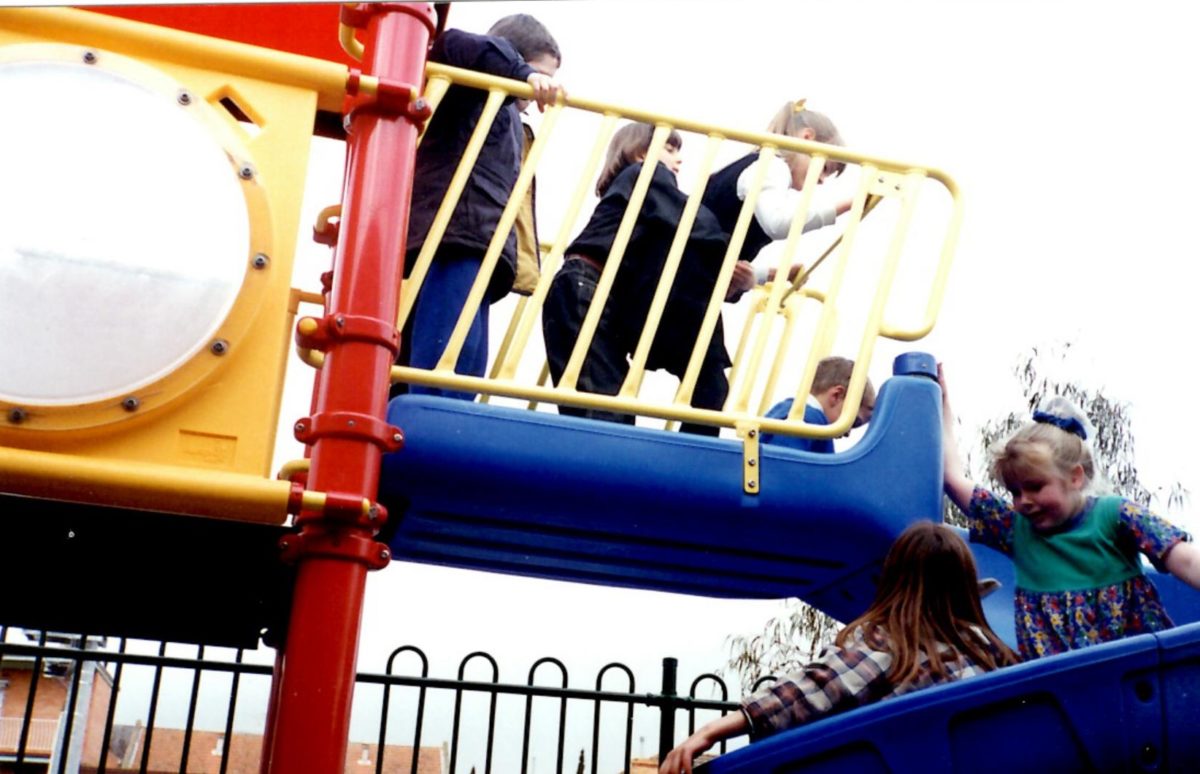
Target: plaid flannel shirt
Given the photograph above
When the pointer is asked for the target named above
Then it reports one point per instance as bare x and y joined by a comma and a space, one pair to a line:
841, 679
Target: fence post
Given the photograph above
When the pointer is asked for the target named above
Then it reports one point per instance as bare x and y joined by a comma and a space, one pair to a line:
666, 722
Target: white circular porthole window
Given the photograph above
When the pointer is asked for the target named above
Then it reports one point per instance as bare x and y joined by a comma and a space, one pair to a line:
125, 229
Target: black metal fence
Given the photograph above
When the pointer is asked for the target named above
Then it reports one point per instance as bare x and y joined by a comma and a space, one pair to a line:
215, 699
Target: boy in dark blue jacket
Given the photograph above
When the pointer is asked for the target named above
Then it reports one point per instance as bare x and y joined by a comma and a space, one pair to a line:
516, 47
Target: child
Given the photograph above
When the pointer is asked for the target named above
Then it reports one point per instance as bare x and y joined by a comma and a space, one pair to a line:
516, 47
779, 198
620, 326
925, 626
1079, 577
824, 405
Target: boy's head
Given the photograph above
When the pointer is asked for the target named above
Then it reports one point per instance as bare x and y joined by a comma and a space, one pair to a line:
832, 382
530, 38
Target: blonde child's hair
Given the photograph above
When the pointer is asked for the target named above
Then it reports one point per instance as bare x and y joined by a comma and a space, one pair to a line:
793, 118
1045, 445
628, 146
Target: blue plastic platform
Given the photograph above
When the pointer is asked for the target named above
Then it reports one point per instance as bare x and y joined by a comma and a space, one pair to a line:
539, 494
1129, 705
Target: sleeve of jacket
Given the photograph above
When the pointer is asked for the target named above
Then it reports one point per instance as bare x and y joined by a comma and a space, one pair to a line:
482, 53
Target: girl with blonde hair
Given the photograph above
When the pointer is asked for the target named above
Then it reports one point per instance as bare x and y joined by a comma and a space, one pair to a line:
1079, 577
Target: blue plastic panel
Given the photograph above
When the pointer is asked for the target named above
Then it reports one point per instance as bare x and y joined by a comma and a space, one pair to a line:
539, 494
1106, 708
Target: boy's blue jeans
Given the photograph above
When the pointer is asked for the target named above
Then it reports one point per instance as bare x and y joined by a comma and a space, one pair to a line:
436, 313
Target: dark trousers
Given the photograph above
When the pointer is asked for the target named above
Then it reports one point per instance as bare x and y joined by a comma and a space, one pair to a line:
605, 367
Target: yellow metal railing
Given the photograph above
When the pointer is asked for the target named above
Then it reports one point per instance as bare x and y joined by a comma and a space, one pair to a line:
765, 351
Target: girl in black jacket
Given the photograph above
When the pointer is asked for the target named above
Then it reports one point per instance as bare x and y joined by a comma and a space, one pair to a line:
605, 367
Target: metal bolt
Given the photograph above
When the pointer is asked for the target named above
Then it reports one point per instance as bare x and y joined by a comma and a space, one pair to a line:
753, 433
752, 484
131, 404
420, 105
397, 438
184, 97
89, 57
284, 545
339, 321
219, 347
246, 172
373, 513
301, 427
350, 423
752, 463
385, 554
261, 261
17, 415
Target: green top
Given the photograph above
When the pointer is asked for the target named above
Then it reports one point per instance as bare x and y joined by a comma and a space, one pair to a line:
1083, 557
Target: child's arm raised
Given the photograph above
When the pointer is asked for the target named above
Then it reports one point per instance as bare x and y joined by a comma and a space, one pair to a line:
1183, 561
954, 481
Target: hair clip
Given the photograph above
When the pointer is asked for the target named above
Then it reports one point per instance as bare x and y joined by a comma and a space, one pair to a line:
1068, 424
798, 105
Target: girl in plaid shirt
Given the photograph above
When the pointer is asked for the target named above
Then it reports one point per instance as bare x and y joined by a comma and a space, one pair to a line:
925, 626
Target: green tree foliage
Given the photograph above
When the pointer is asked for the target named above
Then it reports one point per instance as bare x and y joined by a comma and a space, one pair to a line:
793, 638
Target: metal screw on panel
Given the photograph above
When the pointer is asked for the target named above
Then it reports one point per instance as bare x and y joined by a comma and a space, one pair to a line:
184, 97
752, 463
350, 423
219, 347
89, 57
397, 437
373, 513
385, 554
753, 433
261, 261
419, 105
752, 484
17, 415
131, 404
301, 427
246, 172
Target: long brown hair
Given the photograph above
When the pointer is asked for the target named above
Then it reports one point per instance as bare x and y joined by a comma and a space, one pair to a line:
627, 146
929, 594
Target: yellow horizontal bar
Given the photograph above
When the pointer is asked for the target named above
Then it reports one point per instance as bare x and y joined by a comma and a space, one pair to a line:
143, 485
140, 40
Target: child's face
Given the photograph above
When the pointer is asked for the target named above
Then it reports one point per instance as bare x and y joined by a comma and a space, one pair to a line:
672, 156
1045, 497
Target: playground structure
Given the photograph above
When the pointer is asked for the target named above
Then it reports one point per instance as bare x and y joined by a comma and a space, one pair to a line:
191, 437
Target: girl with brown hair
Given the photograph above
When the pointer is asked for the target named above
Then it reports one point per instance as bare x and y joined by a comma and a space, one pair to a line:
925, 626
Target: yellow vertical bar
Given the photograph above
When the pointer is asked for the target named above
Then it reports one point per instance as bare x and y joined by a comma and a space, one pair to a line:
554, 258
507, 218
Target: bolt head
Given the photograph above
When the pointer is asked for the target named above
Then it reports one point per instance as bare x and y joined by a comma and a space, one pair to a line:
397, 437
184, 98
752, 484
246, 172
17, 415
89, 57
219, 347
752, 463
131, 403
753, 433
385, 554
261, 261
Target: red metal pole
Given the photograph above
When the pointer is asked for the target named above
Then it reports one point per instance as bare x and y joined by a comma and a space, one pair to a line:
315, 669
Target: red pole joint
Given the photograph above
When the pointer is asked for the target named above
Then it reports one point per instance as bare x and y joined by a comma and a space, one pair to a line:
320, 333
349, 425
341, 545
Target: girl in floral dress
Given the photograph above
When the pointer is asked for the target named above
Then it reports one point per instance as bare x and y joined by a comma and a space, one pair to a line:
1079, 576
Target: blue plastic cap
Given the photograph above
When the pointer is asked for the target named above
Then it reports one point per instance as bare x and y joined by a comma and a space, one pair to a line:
915, 364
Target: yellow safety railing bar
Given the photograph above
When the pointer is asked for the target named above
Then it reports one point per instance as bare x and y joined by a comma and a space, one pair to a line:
144, 485
554, 257
667, 280
328, 79
777, 299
